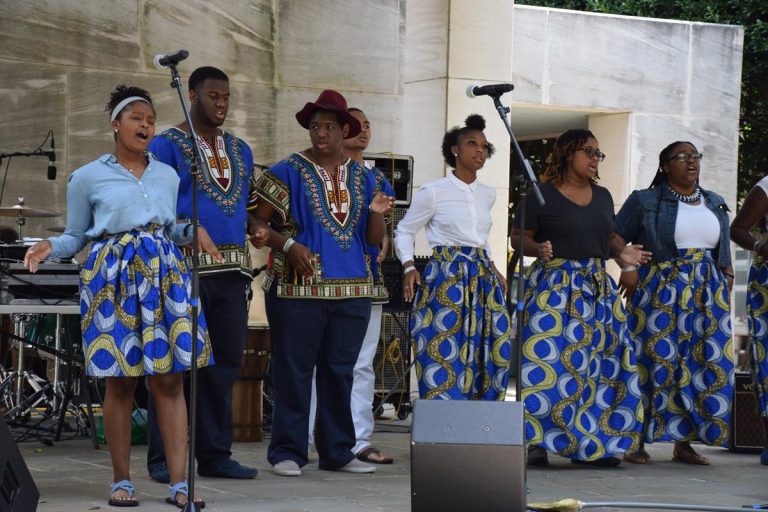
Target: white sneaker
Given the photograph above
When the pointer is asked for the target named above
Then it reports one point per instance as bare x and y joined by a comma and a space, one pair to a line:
357, 466
286, 468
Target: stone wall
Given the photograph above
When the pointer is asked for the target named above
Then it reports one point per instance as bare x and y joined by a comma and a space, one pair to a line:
59, 60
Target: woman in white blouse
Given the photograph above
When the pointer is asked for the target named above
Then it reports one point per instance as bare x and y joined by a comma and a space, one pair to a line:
460, 324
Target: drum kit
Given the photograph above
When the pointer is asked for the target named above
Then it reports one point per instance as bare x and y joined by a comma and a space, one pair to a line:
44, 316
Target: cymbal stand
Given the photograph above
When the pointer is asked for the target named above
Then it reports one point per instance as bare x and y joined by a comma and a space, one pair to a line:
21, 221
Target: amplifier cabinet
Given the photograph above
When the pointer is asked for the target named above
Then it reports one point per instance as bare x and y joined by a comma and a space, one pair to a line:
746, 433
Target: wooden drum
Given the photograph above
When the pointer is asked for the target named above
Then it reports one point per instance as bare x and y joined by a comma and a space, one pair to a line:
246, 393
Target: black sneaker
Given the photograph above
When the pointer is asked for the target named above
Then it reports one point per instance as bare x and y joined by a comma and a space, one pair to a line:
537, 456
227, 468
605, 462
159, 473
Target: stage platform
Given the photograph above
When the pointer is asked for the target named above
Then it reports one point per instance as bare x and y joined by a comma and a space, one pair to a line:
73, 477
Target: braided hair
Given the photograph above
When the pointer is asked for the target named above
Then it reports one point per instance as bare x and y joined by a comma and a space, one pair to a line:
560, 158
661, 177
474, 122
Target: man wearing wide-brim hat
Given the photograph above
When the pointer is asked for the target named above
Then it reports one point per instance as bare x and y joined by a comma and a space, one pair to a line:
323, 212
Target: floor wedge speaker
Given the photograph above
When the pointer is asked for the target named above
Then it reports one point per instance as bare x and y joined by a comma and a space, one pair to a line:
467, 455
18, 492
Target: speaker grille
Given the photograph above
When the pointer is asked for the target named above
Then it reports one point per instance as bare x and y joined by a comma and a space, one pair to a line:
393, 355
746, 425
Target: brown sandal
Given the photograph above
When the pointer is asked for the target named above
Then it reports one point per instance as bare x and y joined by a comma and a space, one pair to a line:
639, 457
374, 456
689, 456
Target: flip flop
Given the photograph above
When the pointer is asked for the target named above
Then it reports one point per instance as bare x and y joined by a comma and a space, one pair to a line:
181, 488
128, 501
368, 455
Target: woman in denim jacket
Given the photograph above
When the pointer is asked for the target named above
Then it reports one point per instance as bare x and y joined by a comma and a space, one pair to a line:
678, 309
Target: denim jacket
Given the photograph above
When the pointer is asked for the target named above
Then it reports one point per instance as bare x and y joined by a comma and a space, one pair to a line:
648, 217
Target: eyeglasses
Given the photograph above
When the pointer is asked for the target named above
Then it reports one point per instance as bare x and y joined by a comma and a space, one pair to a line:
685, 157
592, 153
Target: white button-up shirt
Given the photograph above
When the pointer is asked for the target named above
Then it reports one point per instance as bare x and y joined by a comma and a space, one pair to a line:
452, 212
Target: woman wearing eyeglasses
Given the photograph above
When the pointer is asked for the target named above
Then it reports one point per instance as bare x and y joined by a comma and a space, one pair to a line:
754, 214
677, 306
579, 378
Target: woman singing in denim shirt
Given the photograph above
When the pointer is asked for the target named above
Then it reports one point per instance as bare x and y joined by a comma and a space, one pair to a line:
678, 309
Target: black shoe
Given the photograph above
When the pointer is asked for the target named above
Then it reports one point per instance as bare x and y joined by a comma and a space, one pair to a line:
226, 468
159, 473
537, 456
605, 462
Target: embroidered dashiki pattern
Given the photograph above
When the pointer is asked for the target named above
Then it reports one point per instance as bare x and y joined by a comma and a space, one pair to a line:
460, 328
757, 318
579, 378
329, 216
223, 203
679, 319
135, 309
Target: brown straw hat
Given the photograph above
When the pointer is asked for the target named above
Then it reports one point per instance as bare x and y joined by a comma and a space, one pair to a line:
331, 101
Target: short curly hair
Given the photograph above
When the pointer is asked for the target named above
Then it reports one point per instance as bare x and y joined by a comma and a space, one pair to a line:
125, 91
474, 122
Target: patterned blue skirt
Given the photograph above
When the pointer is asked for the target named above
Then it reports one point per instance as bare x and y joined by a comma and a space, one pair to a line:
460, 328
679, 318
757, 318
135, 310
579, 381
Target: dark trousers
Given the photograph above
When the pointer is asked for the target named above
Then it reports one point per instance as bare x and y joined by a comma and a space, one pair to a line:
309, 333
224, 304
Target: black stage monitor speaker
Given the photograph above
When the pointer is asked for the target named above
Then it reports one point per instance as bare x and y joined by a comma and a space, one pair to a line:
746, 433
399, 171
18, 492
467, 455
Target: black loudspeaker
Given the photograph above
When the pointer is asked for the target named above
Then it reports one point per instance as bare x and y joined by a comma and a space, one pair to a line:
467, 455
398, 169
18, 492
392, 363
392, 274
746, 434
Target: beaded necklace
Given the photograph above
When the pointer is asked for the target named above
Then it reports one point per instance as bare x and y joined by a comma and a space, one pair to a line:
691, 198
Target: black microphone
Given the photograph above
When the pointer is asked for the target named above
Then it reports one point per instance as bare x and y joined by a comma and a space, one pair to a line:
489, 90
52, 160
170, 59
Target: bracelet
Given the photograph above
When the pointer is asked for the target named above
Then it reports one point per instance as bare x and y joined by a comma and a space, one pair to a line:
755, 247
371, 211
629, 268
408, 269
187, 230
288, 244
727, 274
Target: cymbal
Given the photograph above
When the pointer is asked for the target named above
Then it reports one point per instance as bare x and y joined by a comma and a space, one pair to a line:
24, 211
56, 229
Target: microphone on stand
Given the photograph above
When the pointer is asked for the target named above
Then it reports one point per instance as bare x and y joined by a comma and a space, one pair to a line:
170, 59
489, 90
52, 160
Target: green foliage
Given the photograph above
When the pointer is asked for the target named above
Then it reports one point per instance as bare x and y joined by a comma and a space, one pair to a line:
753, 16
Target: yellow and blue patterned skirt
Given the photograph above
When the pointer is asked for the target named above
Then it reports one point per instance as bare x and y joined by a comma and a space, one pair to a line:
461, 328
679, 319
579, 381
757, 318
135, 308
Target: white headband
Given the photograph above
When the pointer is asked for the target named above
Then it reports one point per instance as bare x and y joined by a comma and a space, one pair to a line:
120, 106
